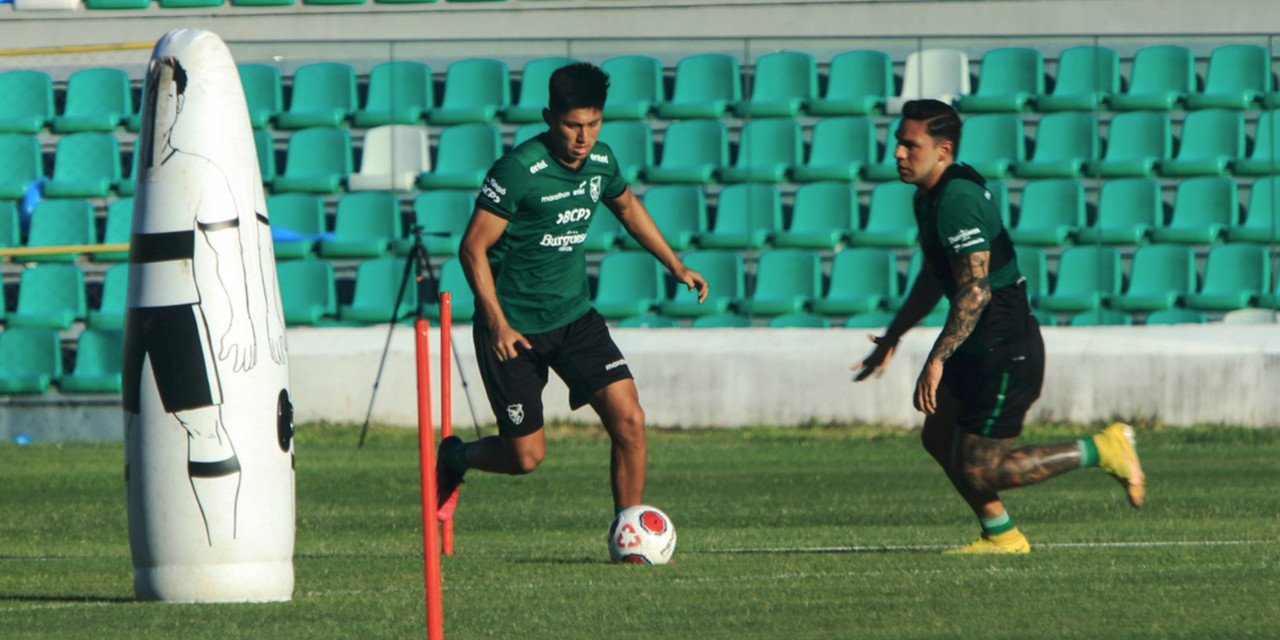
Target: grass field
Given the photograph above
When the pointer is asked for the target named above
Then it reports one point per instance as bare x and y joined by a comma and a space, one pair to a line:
784, 533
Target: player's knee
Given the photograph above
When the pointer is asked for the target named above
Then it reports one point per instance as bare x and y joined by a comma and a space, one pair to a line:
627, 428
528, 459
980, 478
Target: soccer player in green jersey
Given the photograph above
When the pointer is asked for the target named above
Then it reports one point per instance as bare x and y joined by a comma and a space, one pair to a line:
522, 256
986, 367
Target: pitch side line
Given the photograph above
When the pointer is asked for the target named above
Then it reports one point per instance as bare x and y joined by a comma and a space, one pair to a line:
935, 547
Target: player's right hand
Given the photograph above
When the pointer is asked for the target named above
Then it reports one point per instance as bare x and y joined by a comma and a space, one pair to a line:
508, 343
877, 360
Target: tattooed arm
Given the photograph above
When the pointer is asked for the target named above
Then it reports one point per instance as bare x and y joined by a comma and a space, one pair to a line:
973, 292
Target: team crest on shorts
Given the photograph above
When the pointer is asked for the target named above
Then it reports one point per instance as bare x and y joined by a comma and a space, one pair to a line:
595, 188
515, 412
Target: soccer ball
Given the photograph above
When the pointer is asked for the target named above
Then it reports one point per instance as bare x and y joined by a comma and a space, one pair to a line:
642, 535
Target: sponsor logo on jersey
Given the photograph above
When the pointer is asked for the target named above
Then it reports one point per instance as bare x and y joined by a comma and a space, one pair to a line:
492, 190
538, 166
515, 412
595, 188
564, 242
615, 364
600, 157
556, 196
573, 215
581, 190
966, 238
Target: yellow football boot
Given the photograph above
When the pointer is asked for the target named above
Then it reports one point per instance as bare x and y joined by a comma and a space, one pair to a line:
1011, 541
1118, 456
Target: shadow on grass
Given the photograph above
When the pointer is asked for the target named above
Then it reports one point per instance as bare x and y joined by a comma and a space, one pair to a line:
67, 599
560, 561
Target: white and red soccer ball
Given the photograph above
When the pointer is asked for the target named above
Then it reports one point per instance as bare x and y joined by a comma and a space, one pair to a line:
642, 535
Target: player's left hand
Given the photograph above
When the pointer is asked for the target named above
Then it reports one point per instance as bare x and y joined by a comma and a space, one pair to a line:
276, 340
240, 346
694, 280
926, 400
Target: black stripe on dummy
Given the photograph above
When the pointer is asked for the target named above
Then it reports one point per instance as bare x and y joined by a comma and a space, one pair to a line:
214, 469
219, 226
162, 247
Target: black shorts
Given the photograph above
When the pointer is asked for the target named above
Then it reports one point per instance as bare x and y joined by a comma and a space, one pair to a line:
581, 352
177, 341
997, 388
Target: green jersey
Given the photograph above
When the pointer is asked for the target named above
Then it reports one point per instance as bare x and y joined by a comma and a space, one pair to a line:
540, 271
958, 217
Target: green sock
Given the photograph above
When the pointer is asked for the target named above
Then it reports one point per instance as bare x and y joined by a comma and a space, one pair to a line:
1088, 453
996, 525
456, 459
617, 510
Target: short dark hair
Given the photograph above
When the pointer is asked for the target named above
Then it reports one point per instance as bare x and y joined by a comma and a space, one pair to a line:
941, 120
577, 86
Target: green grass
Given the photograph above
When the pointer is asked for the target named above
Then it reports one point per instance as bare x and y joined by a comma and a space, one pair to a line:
531, 560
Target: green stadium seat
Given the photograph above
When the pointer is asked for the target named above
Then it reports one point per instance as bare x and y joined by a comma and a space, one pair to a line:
443, 216
1176, 316
297, 223
1264, 158
941, 74
679, 211
85, 165
648, 321
377, 289
323, 95
261, 3
1009, 79
891, 219
603, 231
263, 92
869, 320
1086, 275
632, 145
858, 83
535, 81
635, 87
1234, 276
366, 225
1161, 78
265, 146
462, 302
821, 214
706, 85
21, 163
118, 230
97, 100
318, 160
1064, 143
475, 91
783, 82
332, 2
10, 232
692, 151
117, 4
721, 321
1129, 209
887, 167
1137, 141
30, 359
746, 216
1212, 140
1052, 212
1087, 76
1000, 195
464, 154
1237, 76
1159, 276
308, 293
767, 148
394, 156
189, 4
115, 293
26, 101
863, 279
406, 1
936, 316
839, 148
57, 223
1262, 220
799, 321
50, 296
400, 92
128, 185
1033, 264
992, 143
629, 284
1101, 318
726, 280
1203, 209
99, 363
786, 280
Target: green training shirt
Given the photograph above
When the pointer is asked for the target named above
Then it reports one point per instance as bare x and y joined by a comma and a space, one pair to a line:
539, 268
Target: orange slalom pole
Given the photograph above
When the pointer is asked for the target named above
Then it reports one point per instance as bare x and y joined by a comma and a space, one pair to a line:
446, 397
427, 467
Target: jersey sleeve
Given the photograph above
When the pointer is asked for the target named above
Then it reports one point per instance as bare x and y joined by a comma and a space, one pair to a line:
615, 183
502, 188
963, 226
